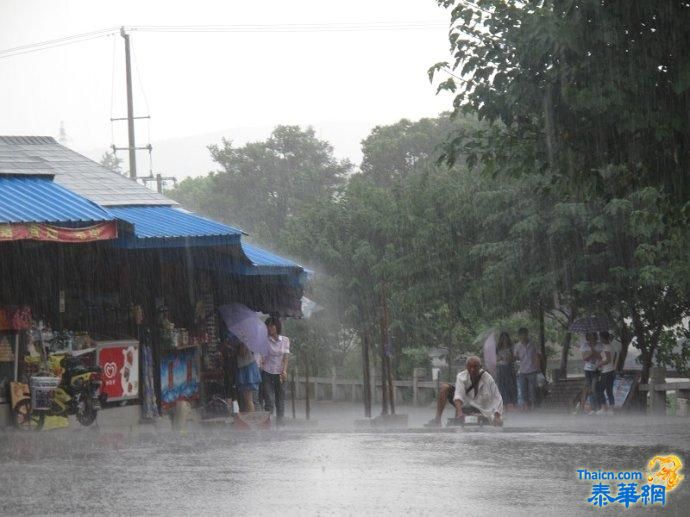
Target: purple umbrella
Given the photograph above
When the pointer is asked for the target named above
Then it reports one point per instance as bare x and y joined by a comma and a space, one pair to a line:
245, 324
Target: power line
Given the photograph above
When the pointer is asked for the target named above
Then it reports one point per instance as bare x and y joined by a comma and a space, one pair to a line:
58, 42
249, 28
301, 27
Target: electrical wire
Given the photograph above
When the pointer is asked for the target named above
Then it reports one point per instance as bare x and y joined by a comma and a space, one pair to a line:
302, 27
58, 42
262, 28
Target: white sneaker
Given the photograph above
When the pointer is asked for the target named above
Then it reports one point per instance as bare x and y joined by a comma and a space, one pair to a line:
602, 411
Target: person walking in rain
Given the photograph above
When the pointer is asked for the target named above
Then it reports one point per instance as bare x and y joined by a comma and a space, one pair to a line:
530, 361
274, 370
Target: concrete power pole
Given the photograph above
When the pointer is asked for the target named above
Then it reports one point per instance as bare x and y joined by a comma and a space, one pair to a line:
130, 110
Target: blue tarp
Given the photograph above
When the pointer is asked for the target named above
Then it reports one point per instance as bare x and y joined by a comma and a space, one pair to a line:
32, 199
168, 227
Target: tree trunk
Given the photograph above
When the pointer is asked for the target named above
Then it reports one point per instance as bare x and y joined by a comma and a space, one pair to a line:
366, 379
642, 344
565, 350
384, 383
542, 340
386, 344
625, 344
391, 386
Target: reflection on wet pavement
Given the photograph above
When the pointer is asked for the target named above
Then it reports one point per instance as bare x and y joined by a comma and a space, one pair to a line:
527, 468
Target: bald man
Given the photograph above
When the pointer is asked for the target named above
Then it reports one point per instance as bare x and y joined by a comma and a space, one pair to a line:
475, 393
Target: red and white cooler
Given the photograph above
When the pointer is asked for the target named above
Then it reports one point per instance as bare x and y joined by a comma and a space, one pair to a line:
119, 361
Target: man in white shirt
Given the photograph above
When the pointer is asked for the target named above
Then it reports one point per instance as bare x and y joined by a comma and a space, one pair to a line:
476, 393
530, 365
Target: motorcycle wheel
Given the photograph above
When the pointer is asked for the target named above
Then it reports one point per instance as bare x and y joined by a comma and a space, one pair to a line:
86, 411
25, 420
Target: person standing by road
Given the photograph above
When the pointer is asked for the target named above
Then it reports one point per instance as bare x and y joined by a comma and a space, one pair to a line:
591, 355
505, 370
607, 367
274, 369
530, 361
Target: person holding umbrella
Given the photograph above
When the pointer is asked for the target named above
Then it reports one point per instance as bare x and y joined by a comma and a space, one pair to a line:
247, 378
249, 336
274, 369
591, 355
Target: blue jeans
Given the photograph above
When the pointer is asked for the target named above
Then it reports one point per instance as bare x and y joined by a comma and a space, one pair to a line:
593, 395
528, 388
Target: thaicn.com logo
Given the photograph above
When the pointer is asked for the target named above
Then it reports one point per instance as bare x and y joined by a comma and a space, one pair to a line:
632, 487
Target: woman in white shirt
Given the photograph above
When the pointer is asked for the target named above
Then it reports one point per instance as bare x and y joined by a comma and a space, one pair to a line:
274, 369
607, 367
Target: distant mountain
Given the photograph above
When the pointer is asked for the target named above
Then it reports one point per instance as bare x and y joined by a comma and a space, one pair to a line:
189, 157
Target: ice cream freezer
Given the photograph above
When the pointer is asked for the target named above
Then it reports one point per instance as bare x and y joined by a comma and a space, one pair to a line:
119, 361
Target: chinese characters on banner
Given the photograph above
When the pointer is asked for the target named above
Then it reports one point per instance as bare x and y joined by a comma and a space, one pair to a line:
50, 233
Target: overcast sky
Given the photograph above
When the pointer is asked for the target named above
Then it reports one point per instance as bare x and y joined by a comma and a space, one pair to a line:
199, 83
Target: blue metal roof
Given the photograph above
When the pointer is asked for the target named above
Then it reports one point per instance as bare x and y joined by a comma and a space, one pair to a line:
167, 226
267, 263
37, 199
260, 257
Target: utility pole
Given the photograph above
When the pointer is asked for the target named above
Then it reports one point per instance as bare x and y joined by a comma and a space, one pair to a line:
130, 109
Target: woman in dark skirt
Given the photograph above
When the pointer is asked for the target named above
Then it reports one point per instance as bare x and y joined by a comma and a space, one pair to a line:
505, 370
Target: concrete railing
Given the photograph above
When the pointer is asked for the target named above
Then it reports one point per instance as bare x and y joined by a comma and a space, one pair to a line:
414, 391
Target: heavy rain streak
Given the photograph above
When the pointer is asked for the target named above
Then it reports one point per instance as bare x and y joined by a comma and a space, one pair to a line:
436, 264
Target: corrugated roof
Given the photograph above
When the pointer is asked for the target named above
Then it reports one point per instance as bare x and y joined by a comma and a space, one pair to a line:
42, 155
31, 199
262, 257
162, 225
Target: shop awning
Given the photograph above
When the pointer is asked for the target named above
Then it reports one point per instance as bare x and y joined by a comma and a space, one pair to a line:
36, 208
265, 262
171, 227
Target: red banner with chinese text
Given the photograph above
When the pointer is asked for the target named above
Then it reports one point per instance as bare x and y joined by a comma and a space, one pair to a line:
47, 232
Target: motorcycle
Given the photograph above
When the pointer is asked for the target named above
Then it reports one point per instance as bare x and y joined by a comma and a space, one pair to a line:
77, 392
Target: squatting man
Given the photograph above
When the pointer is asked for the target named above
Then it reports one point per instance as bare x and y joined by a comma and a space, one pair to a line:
475, 393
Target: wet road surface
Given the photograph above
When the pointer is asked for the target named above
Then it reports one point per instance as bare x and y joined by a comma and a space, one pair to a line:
526, 468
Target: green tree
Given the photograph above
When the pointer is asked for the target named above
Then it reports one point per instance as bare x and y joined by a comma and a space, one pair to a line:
261, 185
592, 97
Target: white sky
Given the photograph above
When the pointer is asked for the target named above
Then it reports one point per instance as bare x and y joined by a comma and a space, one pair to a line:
193, 84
